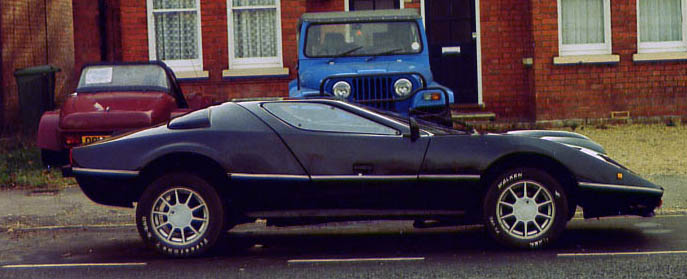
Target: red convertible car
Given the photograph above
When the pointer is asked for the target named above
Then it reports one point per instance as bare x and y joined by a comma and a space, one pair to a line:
111, 99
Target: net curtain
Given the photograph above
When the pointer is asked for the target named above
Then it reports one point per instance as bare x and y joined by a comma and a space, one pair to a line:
582, 21
660, 20
176, 32
254, 28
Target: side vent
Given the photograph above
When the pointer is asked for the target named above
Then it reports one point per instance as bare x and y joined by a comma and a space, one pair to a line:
193, 120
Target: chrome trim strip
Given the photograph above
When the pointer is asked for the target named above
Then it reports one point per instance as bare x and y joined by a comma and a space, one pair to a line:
357, 177
261, 175
105, 172
451, 176
619, 187
362, 177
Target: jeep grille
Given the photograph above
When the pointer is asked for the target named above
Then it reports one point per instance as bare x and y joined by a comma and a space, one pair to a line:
373, 88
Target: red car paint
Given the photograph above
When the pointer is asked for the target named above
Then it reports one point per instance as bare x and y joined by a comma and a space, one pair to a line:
106, 113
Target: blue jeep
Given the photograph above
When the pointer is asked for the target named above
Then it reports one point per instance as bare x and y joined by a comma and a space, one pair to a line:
377, 58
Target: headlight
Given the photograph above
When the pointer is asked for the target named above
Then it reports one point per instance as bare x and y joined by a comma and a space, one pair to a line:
342, 89
403, 87
601, 157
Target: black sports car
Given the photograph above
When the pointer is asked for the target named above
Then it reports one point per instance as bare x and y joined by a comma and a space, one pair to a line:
301, 162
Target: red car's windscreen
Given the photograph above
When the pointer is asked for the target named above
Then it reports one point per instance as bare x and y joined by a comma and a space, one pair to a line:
103, 78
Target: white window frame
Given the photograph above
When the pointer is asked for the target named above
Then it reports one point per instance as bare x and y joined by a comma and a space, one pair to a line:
260, 62
666, 46
586, 49
185, 65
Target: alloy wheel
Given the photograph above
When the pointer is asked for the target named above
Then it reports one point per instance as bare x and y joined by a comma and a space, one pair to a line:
525, 209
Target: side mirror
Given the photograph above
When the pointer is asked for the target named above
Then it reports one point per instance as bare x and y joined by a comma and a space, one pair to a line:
414, 129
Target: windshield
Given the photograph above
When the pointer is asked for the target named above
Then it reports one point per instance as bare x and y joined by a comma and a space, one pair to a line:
123, 77
363, 39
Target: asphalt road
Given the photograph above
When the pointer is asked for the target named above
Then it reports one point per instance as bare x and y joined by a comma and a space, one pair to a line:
653, 248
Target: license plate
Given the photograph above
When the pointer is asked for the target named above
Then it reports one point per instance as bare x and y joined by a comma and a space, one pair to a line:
92, 139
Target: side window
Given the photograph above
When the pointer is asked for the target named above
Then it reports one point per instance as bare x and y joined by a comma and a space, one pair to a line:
325, 118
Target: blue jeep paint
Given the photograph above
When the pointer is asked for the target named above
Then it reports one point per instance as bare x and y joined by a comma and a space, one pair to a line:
371, 77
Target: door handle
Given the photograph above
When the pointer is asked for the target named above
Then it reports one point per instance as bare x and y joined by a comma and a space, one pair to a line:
362, 169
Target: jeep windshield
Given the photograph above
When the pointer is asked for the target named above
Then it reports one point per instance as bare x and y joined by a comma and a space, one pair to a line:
109, 78
363, 39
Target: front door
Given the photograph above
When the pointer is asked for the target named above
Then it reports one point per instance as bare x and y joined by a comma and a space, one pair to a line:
354, 162
453, 47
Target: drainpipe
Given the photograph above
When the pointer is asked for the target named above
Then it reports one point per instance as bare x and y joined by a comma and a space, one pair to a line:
102, 24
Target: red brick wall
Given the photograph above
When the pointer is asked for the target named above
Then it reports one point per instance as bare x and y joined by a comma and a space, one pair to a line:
87, 34
412, 4
134, 20
87, 38
506, 40
581, 91
27, 41
324, 5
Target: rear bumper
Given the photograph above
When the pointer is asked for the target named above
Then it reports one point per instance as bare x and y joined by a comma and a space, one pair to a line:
107, 187
600, 200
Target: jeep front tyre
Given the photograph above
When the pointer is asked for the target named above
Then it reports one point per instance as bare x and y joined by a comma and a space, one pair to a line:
525, 208
180, 215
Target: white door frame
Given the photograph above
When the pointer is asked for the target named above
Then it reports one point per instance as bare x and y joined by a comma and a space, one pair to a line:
479, 41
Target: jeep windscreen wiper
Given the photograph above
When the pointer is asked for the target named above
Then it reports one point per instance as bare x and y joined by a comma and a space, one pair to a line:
383, 53
344, 53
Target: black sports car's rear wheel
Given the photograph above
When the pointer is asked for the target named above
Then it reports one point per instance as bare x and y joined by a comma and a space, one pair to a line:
525, 208
180, 215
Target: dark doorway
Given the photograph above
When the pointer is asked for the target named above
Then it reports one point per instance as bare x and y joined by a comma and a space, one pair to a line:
452, 47
357, 5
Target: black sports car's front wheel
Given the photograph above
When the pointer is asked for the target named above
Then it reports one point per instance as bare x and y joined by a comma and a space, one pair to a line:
525, 208
180, 215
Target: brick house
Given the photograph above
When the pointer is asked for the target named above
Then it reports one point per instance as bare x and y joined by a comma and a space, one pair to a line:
525, 60
33, 32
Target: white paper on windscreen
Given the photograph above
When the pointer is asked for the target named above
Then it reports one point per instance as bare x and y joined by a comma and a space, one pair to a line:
99, 75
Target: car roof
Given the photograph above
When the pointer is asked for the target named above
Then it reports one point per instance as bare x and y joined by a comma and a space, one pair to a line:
360, 16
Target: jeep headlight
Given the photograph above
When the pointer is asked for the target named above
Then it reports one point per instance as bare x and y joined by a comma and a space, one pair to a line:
403, 87
342, 89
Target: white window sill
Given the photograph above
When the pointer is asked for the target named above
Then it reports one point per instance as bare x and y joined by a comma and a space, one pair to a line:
256, 72
587, 59
659, 56
192, 75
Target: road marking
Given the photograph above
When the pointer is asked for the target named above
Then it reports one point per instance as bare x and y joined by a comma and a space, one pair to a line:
73, 265
355, 260
628, 217
621, 253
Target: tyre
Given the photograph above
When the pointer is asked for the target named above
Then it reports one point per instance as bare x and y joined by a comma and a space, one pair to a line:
525, 208
180, 215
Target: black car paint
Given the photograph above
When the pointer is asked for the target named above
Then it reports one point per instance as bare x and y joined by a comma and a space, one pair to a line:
273, 166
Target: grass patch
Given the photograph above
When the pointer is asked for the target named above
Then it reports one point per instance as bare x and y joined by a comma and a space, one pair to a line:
656, 149
21, 167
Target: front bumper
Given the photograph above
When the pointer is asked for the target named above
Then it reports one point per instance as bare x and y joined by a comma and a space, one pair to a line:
601, 200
